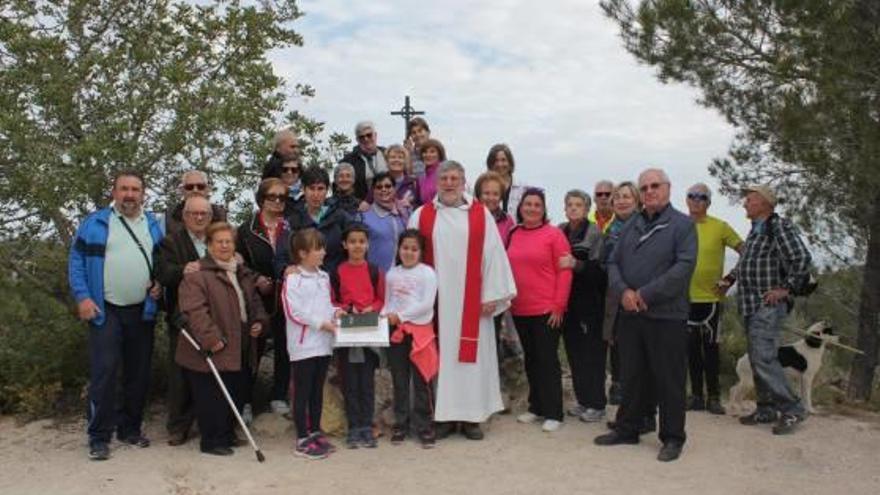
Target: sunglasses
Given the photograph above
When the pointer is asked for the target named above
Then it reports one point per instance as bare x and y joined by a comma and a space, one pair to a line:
368, 135
652, 186
278, 198
698, 196
290, 170
603, 194
193, 187
384, 186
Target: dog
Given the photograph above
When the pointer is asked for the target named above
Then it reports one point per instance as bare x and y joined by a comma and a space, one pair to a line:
801, 360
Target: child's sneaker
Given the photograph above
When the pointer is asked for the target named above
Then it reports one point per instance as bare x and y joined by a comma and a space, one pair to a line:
398, 435
322, 440
367, 440
309, 448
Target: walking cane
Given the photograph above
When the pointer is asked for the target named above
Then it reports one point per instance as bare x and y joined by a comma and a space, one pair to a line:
182, 323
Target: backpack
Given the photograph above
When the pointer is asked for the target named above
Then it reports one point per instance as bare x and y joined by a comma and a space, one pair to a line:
335, 283
804, 285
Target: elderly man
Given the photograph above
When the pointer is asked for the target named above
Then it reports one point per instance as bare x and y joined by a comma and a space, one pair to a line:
774, 264
367, 158
110, 271
713, 236
285, 147
603, 214
475, 284
178, 255
650, 269
192, 183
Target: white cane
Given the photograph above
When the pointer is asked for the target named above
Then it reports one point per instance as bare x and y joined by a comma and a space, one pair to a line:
182, 323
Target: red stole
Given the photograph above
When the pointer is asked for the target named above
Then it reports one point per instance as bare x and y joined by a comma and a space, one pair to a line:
473, 287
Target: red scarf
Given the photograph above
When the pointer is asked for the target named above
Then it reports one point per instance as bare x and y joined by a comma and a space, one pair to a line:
473, 287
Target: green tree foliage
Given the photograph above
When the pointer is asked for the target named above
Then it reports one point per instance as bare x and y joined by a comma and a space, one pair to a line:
800, 81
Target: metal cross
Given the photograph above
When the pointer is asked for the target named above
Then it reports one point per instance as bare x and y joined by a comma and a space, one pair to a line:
407, 112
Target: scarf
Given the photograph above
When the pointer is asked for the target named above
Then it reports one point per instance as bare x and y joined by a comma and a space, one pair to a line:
231, 268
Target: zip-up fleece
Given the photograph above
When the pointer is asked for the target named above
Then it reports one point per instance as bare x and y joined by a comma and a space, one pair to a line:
307, 304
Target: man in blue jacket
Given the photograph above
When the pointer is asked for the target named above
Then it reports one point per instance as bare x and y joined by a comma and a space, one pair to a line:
650, 269
110, 271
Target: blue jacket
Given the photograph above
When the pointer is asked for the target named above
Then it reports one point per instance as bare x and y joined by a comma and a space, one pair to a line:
85, 267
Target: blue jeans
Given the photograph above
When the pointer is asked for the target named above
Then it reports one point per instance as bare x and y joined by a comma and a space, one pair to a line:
763, 331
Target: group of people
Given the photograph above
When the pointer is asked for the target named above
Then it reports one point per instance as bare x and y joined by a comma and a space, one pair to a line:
395, 233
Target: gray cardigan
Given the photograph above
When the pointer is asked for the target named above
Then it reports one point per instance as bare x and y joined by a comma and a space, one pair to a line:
656, 256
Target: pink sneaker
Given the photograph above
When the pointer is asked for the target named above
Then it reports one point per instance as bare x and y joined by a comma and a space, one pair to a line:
322, 440
309, 448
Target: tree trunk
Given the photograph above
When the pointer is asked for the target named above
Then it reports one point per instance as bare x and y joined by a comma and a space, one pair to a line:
861, 377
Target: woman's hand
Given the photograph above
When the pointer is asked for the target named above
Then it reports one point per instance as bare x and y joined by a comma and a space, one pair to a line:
567, 261
339, 313
555, 319
256, 329
265, 285
219, 346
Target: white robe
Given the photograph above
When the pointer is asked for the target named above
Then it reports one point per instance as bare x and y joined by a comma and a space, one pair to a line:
467, 391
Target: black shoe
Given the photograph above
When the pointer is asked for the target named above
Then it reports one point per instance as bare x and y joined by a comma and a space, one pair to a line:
445, 429
615, 394
398, 435
218, 451
428, 439
612, 425
669, 452
136, 440
714, 407
615, 438
235, 441
649, 424
99, 451
472, 431
761, 416
696, 403
175, 439
787, 424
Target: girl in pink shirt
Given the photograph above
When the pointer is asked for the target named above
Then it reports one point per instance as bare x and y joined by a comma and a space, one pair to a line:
534, 249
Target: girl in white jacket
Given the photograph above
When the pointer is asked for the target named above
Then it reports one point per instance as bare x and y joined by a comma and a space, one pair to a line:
311, 325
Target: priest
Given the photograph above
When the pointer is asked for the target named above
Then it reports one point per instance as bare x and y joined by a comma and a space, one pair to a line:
474, 284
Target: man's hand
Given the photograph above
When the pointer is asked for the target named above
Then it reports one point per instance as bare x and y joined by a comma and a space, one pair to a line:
640, 303
156, 290
722, 287
488, 309
191, 267
629, 300
265, 285
256, 329
87, 310
774, 296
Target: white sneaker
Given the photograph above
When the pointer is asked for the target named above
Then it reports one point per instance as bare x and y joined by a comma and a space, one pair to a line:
247, 414
592, 415
279, 407
551, 425
528, 418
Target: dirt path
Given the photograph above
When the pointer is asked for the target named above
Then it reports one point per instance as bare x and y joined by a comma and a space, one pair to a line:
832, 454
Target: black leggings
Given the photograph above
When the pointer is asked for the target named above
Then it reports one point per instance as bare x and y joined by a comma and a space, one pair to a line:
703, 352
308, 393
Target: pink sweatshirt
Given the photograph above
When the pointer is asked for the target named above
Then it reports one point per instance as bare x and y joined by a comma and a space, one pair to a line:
541, 286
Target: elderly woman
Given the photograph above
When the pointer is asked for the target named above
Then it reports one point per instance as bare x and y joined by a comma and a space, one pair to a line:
489, 189
542, 288
343, 190
432, 154
582, 329
257, 242
406, 187
500, 161
224, 312
385, 221
288, 170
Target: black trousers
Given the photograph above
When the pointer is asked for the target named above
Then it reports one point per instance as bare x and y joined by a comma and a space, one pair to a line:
216, 421
403, 372
614, 357
359, 388
541, 351
180, 402
586, 351
308, 393
653, 349
124, 341
703, 353
281, 368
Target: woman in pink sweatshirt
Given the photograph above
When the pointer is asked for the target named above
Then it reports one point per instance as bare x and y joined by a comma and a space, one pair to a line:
535, 248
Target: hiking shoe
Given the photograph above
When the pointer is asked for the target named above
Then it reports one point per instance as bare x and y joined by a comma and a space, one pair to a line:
615, 394
366, 439
99, 451
669, 452
279, 407
428, 439
308, 448
353, 438
324, 442
576, 411
760, 416
247, 414
615, 438
472, 431
551, 425
714, 407
137, 440
591, 415
696, 403
528, 418
786, 424
398, 435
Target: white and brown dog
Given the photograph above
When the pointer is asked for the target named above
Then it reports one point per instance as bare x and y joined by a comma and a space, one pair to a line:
801, 360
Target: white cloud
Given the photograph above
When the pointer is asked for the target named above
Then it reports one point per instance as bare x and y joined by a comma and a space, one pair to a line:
550, 79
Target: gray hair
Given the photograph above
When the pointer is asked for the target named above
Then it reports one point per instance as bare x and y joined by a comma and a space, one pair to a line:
364, 125
340, 167
658, 171
194, 171
196, 197
283, 134
703, 188
604, 183
580, 194
450, 165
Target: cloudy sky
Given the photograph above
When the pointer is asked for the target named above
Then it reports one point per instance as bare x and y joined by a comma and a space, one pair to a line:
548, 78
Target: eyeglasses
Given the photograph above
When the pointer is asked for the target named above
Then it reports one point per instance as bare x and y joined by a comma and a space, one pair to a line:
193, 187
652, 186
274, 197
366, 136
290, 170
603, 194
698, 196
198, 214
384, 186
